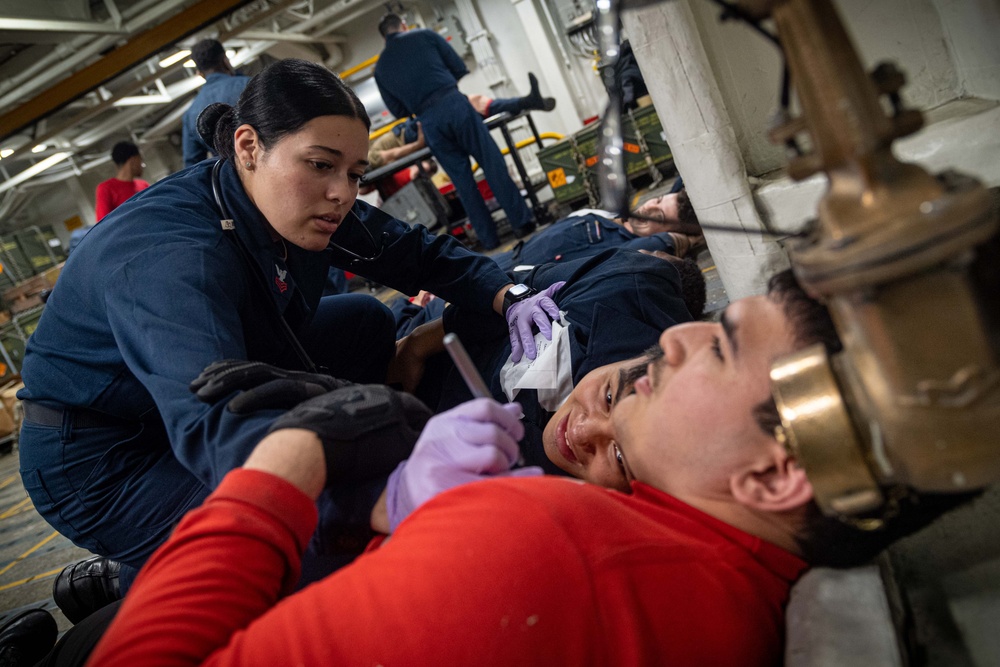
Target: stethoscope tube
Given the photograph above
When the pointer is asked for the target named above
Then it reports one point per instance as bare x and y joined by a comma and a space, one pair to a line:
228, 225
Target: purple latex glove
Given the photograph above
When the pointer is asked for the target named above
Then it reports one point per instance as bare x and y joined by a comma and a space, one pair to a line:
539, 309
476, 440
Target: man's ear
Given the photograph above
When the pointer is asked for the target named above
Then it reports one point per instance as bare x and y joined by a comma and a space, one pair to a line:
246, 144
776, 483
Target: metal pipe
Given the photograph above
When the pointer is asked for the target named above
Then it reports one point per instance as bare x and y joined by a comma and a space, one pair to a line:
148, 80
116, 16
584, 100
292, 37
64, 59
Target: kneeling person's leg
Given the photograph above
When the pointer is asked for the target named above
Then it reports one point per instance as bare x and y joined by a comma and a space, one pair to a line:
353, 336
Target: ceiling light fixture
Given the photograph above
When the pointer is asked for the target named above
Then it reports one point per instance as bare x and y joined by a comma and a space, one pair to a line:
33, 171
177, 57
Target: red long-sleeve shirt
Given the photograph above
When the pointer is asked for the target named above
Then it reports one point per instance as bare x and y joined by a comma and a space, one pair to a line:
112, 193
535, 571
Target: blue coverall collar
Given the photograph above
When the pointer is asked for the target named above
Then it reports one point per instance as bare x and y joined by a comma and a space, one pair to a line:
251, 224
215, 76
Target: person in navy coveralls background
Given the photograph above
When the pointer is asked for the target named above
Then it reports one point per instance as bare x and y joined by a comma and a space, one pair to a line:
417, 74
222, 84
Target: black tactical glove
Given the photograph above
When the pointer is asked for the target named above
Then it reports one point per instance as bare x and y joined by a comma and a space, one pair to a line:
261, 385
366, 429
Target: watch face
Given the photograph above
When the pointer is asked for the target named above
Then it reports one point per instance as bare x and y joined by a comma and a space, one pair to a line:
517, 291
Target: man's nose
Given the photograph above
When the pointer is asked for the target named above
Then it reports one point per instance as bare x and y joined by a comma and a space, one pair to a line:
679, 342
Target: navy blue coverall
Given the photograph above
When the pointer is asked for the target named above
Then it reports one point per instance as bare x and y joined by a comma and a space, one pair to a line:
155, 293
417, 74
218, 87
579, 236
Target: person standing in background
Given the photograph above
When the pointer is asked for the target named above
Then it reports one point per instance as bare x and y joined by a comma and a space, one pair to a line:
417, 74
222, 84
113, 192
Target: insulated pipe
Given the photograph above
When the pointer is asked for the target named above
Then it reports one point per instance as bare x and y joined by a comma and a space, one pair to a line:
672, 58
563, 86
482, 49
584, 95
62, 59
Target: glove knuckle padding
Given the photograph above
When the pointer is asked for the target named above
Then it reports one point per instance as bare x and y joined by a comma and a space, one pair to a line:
261, 385
366, 429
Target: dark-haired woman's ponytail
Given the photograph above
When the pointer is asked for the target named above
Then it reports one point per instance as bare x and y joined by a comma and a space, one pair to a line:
216, 125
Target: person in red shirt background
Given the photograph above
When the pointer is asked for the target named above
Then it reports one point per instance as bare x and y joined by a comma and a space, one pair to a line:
113, 192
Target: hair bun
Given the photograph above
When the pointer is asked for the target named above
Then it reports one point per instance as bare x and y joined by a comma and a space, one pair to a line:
208, 122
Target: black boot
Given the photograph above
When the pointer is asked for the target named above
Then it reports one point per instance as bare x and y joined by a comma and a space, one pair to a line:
534, 100
27, 638
83, 588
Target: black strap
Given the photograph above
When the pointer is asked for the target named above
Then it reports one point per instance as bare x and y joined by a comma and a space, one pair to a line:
228, 225
82, 417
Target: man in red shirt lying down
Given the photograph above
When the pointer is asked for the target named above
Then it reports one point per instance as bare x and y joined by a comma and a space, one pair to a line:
691, 567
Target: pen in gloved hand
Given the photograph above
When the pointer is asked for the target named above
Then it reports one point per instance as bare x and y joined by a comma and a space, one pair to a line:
473, 380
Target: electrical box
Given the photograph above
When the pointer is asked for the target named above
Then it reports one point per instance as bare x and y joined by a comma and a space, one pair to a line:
450, 28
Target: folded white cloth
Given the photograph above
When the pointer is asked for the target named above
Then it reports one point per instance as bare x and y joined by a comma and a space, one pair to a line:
551, 372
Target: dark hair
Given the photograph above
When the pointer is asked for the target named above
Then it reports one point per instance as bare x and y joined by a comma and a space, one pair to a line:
686, 215
692, 286
123, 151
208, 55
389, 23
811, 323
830, 541
279, 101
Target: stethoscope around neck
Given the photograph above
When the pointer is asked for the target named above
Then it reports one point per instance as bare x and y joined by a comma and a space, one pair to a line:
229, 224
229, 227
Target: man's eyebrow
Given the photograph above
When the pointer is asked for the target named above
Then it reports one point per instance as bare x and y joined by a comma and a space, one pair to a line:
628, 376
622, 381
730, 329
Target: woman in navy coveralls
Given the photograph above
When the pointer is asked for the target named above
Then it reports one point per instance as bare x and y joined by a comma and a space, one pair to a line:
114, 447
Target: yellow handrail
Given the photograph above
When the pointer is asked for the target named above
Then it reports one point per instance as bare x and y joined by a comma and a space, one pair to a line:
386, 128
357, 68
354, 70
523, 143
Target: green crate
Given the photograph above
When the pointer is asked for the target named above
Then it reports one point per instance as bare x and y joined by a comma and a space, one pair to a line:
6, 279
570, 163
36, 249
564, 163
13, 350
26, 322
16, 264
648, 124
